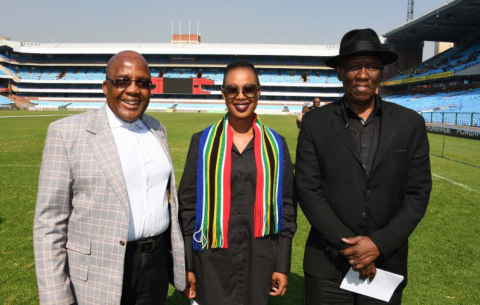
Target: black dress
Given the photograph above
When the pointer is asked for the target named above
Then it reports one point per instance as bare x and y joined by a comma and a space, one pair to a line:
240, 274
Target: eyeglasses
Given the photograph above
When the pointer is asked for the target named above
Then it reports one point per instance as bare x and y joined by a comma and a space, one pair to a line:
123, 83
249, 90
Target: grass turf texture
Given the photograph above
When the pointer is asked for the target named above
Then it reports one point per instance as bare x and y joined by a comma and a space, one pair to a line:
443, 268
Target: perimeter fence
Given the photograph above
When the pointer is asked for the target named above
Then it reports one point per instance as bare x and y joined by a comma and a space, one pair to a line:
471, 119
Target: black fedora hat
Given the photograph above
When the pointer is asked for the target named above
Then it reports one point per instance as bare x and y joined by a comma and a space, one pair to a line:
360, 43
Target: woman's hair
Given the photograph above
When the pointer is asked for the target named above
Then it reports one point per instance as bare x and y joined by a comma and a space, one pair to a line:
240, 64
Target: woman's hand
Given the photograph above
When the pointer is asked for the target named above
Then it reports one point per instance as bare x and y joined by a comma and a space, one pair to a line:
190, 291
279, 284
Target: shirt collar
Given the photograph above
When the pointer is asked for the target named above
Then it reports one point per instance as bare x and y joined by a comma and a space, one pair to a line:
350, 113
116, 122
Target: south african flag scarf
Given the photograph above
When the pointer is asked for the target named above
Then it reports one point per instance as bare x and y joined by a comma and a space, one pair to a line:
213, 184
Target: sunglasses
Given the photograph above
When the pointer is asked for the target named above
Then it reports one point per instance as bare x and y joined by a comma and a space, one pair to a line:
249, 90
123, 83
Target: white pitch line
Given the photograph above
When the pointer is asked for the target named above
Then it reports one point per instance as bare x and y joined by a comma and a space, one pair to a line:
31, 116
456, 183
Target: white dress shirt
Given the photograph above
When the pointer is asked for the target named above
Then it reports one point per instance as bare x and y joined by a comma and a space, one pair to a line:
146, 171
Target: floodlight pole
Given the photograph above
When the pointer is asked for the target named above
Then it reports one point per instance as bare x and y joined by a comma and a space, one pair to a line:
410, 10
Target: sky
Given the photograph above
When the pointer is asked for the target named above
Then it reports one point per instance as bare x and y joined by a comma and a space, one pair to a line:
220, 21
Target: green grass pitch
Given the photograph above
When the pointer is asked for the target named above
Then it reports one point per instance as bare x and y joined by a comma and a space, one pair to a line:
443, 264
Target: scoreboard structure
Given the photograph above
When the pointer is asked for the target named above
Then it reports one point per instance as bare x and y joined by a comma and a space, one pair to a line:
180, 85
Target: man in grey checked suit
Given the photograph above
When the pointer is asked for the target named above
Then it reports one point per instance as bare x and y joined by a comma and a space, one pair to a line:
107, 210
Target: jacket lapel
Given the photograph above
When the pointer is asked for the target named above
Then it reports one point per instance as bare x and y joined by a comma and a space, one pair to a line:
103, 147
388, 126
343, 130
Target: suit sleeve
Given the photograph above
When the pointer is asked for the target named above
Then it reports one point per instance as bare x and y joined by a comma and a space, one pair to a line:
187, 197
289, 215
326, 225
416, 195
52, 212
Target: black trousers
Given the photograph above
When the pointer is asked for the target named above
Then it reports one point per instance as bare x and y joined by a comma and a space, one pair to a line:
324, 292
145, 278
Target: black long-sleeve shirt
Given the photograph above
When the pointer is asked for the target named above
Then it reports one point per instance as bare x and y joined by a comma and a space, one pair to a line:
365, 133
240, 274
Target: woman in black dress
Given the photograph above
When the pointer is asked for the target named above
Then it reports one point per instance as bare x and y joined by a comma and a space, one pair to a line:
236, 202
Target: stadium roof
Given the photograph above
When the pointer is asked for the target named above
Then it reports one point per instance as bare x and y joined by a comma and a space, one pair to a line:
171, 48
449, 22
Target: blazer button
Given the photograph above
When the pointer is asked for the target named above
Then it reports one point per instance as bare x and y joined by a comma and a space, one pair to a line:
122, 242
367, 191
360, 226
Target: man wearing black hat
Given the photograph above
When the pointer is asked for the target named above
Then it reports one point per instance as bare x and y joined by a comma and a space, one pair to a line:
363, 182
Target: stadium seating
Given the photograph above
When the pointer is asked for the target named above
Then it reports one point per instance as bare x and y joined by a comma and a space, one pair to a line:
211, 74
207, 60
4, 100
156, 59
312, 62
55, 58
221, 107
180, 106
453, 108
58, 86
9, 68
87, 105
85, 73
74, 73
327, 77
180, 73
267, 61
70, 71
162, 59
454, 59
48, 104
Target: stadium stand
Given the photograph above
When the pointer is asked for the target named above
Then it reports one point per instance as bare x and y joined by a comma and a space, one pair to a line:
455, 59
161, 59
207, 61
454, 101
9, 69
88, 73
211, 74
48, 104
54, 58
4, 100
97, 73
289, 73
217, 107
455, 108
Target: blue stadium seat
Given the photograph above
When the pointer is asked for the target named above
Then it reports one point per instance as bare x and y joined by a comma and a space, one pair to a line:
454, 108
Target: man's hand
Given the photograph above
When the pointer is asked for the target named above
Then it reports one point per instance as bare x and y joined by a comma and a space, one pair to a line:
368, 272
279, 284
190, 291
362, 253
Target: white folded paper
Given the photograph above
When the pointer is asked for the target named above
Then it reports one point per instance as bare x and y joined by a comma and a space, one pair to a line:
382, 286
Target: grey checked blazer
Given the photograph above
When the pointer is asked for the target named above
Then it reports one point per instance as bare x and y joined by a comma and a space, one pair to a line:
82, 213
